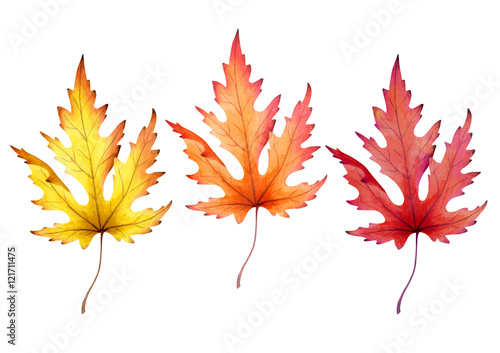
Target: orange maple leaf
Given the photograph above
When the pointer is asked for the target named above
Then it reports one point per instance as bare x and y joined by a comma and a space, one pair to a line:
245, 133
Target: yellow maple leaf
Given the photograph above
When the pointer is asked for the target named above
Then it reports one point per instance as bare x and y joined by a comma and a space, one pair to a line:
89, 159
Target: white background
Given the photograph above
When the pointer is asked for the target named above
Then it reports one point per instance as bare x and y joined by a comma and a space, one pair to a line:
182, 297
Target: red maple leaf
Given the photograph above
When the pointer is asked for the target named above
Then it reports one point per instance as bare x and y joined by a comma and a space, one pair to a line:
405, 159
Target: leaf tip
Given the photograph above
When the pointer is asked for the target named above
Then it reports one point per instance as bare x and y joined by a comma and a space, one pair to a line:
236, 48
171, 124
152, 122
330, 149
17, 150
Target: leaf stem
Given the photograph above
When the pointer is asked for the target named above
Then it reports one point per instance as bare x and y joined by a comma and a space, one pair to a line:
251, 251
98, 270
414, 267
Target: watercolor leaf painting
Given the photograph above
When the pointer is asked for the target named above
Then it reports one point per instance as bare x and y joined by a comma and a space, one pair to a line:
89, 160
245, 133
405, 160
